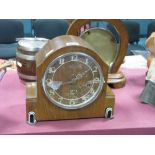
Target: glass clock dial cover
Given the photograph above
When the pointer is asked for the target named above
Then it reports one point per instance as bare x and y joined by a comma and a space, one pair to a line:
73, 80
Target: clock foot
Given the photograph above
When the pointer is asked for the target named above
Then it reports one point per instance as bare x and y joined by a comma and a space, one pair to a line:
31, 118
116, 80
108, 113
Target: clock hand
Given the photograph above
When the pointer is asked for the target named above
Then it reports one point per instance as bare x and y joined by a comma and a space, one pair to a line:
55, 85
80, 76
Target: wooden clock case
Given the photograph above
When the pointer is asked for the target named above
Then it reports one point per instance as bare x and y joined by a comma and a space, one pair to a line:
39, 108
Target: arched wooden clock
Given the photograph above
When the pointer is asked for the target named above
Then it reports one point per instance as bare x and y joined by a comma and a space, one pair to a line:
71, 83
110, 41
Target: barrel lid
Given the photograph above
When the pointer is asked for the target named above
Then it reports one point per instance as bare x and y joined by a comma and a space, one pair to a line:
32, 44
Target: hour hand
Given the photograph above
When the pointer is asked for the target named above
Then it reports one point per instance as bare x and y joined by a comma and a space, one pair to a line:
80, 76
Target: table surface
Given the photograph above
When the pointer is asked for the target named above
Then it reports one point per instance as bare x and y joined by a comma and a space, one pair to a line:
130, 117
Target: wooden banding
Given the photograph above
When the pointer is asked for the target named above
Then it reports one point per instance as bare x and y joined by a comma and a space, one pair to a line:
25, 57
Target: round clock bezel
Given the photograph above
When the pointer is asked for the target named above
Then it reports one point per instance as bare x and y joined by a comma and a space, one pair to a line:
85, 103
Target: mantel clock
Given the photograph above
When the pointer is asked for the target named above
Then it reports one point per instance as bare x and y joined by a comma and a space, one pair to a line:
71, 83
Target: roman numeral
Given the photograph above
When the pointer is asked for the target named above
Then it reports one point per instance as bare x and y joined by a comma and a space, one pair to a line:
61, 61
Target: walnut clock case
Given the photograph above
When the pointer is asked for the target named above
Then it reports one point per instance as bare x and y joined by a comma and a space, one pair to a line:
71, 83
111, 44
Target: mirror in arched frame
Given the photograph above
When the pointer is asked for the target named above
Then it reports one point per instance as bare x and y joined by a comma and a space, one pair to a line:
107, 36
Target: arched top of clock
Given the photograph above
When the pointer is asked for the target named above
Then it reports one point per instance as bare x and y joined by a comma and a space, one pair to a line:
65, 44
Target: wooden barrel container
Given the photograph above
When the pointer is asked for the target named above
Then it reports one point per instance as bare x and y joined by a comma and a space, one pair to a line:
25, 57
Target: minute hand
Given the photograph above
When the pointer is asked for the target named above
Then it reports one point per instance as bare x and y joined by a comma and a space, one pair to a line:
78, 77
57, 84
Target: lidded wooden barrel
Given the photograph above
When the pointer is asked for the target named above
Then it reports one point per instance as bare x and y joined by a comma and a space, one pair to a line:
25, 57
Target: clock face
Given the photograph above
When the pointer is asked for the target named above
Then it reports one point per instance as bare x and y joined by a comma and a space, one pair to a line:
73, 80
